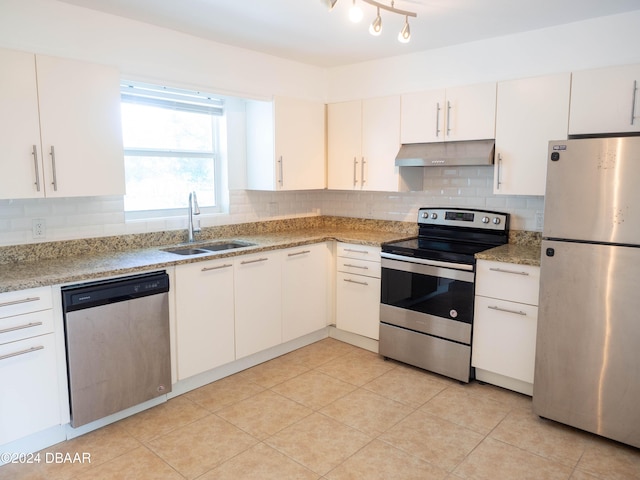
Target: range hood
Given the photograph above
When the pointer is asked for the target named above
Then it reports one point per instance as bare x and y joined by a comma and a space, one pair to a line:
472, 152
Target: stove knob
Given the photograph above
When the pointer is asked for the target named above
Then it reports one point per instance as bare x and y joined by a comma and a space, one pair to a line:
425, 214
496, 221
434, 216
485, 219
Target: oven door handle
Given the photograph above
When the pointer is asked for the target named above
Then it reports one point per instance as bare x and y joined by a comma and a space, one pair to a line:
432, 263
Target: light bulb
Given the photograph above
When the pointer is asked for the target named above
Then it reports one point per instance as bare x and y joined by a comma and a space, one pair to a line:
355, 13
376, 26
405, 34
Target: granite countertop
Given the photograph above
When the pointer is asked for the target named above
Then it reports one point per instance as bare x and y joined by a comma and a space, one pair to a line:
521, 254
87, 265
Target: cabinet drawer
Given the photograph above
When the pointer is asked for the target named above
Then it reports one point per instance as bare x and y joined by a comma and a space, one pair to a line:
25, 326
508, 281
504, 338
359, 267
25, 301
363, 252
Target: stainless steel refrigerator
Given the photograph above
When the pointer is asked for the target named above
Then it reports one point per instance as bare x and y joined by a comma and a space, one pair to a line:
587, 371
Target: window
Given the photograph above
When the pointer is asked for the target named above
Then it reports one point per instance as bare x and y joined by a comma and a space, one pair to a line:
171, 147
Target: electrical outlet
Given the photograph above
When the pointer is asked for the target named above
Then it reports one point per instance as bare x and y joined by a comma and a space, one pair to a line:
539, 220
38, 227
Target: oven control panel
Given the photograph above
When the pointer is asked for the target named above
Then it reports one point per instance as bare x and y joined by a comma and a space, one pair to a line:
484, 219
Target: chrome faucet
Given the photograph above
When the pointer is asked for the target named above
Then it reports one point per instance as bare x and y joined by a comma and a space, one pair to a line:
193, 210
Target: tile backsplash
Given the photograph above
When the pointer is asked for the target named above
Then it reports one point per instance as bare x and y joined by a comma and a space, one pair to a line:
72, 218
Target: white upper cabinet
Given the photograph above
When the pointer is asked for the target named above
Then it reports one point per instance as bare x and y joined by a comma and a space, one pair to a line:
606, 100
364, 139
285, 145
459, 113
60, 128
530, 113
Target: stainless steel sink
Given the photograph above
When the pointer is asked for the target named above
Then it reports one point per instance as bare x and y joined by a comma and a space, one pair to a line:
207, 248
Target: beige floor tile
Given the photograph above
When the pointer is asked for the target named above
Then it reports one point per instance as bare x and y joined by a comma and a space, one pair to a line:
358, 367
580, 475
273, 372
163, 418
494, 460
609, 460
223, 392
378, 460
476, 413
138, 464
264, 414
502, 395
369, 412
200, 446
526, 430
320, 352
314, 389
319, 442
260, 462
433, 439
410, 386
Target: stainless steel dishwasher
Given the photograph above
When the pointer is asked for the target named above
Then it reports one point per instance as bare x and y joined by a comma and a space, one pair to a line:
117, 338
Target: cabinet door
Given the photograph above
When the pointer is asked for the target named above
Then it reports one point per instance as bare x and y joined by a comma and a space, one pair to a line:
19, 127
30, 399
80, 120
530, 113
605, 100
471, 112
380, 144
344, 127
258, 303
422, 117
299, 144
304, 290
358, 304
205, 316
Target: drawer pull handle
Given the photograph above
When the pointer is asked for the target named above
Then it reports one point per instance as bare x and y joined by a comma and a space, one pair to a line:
20, 327
354, 281
356, 251
22, 352
516, 312
355, 266
515, 272
303, 252
226, 265
18, 302
245, 262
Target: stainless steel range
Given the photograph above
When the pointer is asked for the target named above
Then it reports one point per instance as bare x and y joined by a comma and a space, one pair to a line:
426, 304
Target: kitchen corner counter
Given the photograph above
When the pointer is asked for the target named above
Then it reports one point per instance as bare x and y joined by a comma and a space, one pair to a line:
520, 254
123, 256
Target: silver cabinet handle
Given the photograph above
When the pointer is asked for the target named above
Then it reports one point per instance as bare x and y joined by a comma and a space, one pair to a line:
438, 119
362, 180
355, 167
355, 266
354, 281
20, 327
448, 118
503, 270
281, 171
516, 312
498, 175
246, 262
53, 169
22, 352
633, 102
226, 265
303, 252
356, 251
18, 302
35, 164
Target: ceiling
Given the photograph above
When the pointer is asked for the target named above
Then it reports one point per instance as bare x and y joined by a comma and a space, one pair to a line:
305, 31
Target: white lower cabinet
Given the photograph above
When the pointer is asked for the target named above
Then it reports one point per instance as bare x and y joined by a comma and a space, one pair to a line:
305, 280
505, 324
358, 290
258, 302
205, 309
30, 400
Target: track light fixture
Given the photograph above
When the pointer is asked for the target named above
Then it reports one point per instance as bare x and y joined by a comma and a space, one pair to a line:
355, 15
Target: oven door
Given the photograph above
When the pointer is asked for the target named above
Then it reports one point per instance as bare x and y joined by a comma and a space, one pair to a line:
431, 299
